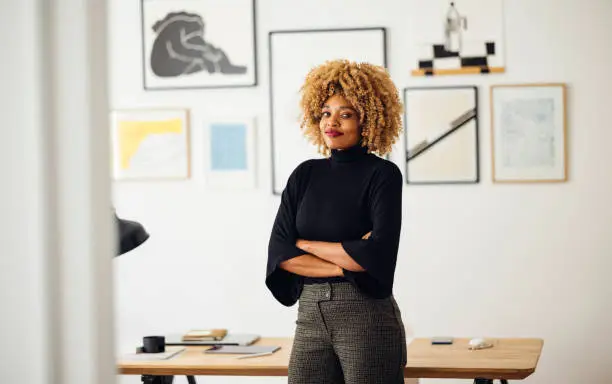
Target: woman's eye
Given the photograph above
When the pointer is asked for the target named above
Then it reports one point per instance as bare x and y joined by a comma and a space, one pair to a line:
325, 114
347, 116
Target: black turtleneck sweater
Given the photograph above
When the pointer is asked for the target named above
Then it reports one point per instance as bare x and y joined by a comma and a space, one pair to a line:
339, 199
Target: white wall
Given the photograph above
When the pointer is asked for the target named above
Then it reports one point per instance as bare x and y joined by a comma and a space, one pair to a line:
480, 260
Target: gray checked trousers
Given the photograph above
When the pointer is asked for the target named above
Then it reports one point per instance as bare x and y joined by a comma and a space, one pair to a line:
343, 336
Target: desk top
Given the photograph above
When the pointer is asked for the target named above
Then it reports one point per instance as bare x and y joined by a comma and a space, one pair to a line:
512, 359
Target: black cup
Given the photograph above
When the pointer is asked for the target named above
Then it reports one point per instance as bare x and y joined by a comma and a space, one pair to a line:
153, 344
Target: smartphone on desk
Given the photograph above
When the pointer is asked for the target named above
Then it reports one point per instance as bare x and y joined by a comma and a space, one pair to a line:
438, 340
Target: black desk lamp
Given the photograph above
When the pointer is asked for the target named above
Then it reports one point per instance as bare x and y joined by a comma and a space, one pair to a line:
130, 234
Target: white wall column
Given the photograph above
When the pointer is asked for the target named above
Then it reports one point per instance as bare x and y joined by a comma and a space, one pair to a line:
56, 233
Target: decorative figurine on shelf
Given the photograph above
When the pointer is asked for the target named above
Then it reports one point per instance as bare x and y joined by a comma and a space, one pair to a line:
453, 25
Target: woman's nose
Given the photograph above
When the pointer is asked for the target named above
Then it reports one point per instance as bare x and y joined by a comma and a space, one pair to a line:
332, 121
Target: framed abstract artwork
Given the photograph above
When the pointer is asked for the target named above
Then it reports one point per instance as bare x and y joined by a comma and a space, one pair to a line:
441, 135
287, 74
529, 132
460, 37
150, 144
198, 44
231, 153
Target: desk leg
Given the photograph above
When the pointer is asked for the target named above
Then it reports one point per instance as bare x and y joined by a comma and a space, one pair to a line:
151, 379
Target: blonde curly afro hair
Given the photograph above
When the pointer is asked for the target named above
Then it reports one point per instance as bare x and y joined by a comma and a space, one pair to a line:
371, 92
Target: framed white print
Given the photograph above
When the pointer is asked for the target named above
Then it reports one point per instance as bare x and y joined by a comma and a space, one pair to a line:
150, 144
198, 44
288, 71
459, 37
529, 133
441, 135
231, 153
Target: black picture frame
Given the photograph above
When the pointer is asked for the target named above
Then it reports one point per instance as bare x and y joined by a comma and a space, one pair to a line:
383, 30
145, 59
460, 122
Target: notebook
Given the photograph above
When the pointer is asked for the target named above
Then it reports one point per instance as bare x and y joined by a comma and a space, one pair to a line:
230, 339
139, 356
243, 350
205, 334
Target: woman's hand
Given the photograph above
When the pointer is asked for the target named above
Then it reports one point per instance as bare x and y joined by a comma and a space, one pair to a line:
311, 266
302, 244
331, 252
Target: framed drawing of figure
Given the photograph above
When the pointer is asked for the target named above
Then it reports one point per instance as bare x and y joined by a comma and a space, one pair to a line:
198, 44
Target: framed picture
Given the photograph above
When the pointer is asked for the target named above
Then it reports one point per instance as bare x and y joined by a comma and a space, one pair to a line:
150, 144
441, 135
287, 74
231, 153
529, 133
460, 37
198, 44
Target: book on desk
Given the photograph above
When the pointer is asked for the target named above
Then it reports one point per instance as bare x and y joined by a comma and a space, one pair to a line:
204, 335
238, 339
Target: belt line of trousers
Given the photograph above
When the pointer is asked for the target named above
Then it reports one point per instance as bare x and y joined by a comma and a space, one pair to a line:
342, 336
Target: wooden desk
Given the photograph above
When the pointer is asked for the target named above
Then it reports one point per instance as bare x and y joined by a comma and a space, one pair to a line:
509, 359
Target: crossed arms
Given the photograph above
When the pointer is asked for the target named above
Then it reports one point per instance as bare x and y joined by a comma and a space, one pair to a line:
321, 259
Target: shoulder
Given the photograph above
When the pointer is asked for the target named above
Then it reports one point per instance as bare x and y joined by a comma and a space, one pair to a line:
302, 172
304, 168
385, 169
386, 176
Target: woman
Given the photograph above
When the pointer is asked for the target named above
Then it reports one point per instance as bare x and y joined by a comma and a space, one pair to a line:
335, 239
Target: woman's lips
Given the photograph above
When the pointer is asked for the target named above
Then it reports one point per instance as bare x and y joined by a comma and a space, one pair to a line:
332, 133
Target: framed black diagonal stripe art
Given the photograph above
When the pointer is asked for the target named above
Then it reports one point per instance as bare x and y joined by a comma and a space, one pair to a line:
441, 135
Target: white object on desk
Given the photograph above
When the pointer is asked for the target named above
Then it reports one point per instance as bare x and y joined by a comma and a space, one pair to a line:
170, 352
479, 343
255, 355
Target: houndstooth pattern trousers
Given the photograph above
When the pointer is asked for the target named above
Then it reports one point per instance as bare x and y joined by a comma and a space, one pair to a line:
343, 336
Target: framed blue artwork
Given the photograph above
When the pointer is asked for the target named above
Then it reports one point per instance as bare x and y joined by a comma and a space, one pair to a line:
231, 154
228, 147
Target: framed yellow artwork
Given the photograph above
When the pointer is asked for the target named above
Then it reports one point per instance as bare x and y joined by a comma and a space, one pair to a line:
150, 144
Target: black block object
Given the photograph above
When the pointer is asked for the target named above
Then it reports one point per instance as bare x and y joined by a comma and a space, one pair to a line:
130, 234
153, 344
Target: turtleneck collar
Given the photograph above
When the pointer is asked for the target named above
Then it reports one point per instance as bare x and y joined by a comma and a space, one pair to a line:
353, 153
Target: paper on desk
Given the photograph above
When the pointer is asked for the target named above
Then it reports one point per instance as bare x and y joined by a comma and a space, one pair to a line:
170, 352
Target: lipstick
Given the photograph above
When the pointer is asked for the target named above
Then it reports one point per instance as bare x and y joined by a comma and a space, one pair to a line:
333, 133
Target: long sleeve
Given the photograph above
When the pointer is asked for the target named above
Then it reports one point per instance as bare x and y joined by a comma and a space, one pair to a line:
285, 286
378, 254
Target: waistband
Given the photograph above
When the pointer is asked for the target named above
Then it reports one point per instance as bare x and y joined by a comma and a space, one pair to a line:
332, 291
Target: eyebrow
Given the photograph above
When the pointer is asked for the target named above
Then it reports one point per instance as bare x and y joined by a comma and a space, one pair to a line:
341, 107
